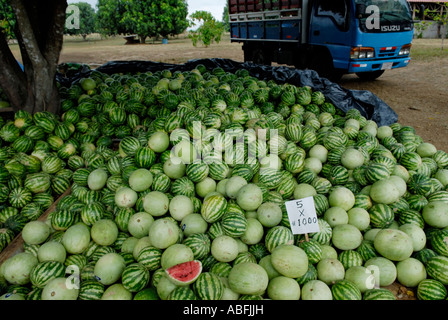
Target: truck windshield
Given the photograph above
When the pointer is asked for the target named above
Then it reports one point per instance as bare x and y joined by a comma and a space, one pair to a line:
390, 13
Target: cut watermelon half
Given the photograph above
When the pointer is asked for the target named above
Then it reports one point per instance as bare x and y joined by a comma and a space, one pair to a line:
185, 273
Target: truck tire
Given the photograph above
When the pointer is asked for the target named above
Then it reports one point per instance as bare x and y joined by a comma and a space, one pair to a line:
260, 56
321, 61
370, 76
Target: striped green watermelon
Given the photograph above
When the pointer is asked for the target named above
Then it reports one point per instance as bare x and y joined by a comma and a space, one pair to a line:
19, 197
350, 258
437, 268
378, 294
150, 257
419, 184
278, 235
312, 249
62, 219
411, 216
234, 224
345, 290
199, 243
381, 215
135, 277
182, 293
208, 286
439, 242
431, 289
91, 290
213, 208
44, 271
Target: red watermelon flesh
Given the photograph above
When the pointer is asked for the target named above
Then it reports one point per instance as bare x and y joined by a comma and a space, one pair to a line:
185, 273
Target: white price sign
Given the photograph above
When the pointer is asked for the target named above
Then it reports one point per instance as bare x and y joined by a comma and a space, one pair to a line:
302, 216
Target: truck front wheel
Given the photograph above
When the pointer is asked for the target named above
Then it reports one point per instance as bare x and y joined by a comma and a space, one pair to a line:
370, 76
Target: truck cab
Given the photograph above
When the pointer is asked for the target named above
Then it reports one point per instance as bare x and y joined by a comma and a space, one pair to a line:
333, 37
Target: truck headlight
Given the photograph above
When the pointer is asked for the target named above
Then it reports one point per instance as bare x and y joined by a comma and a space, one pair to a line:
362, 53
405, 50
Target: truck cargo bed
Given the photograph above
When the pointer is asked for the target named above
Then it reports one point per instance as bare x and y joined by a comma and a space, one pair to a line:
265, 20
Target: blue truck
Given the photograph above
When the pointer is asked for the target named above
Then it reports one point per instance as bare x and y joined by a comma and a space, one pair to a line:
332, 37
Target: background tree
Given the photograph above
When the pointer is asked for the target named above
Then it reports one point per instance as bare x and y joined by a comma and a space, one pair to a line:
155, 18
87, 23
39, 30
209, 30
7, 19
225, 17
174, 17
440, 17
140, 17
109, 16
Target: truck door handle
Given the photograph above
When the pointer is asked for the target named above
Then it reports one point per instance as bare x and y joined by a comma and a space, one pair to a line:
316, 32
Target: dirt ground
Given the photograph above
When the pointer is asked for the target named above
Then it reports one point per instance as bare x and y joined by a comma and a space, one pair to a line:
417, 93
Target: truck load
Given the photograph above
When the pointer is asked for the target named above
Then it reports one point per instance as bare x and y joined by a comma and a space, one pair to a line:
332, 37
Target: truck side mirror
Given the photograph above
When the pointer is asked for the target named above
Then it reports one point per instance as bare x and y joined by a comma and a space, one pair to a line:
360, 10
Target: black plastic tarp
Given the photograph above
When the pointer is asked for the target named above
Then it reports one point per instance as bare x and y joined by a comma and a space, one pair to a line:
370, 106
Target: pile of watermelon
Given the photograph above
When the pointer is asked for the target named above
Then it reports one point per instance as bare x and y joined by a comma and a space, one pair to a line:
178, 183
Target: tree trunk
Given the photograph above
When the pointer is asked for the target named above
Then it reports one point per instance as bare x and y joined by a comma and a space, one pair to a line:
39, 30
142, 39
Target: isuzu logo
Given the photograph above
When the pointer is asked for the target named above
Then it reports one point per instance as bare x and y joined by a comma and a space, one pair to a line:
391, 28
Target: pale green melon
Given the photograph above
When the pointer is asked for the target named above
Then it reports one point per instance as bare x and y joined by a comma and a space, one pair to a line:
224, 248
97, 179
283, 288
426, 149
17, 269
233, 186
249, 197
109, 267
352, 158
60, 289
318, 151
393, 244
346, 237
435, 214
76, 238
254, 231
193, 223
125, 197
51, 251
163, 232
410, 272
140, 180
341, 197
361, 277
384, 191
269, 214
248, 278
316, 290
289, 260
35, 232
180, 206
139, 223
104, 232
156, 203
176, 254
330, 270
159, 141
174, 167
116, 291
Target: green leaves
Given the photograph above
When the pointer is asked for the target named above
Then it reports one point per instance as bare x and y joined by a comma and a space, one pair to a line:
155, 18
209, 30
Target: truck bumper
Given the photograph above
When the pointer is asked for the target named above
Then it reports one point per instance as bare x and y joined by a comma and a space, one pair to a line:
376, 65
